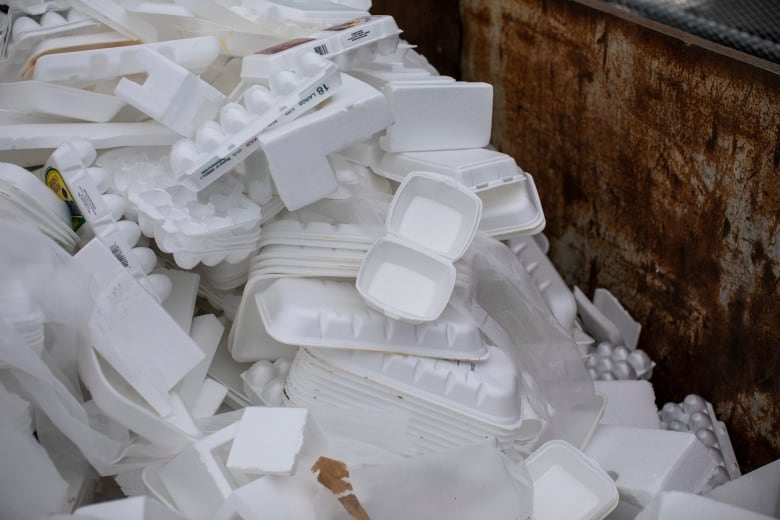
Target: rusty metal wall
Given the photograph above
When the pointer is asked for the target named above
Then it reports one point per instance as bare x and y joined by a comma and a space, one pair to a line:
433, 25
658, 164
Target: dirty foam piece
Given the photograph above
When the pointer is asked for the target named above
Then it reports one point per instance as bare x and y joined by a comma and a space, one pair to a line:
756, 491
611, 308
131, 508
629, 403
438, 116
567, 484
296, 154
269, 441
673, 505
409, 274
646, 462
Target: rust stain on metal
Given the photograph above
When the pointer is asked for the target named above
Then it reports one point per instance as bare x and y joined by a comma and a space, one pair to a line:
658, 164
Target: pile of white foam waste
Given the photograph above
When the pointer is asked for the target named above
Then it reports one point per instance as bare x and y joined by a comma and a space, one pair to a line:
259, 261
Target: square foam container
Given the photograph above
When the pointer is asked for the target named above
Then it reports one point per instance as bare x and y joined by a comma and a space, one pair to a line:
409, 274
568, 484
510, 201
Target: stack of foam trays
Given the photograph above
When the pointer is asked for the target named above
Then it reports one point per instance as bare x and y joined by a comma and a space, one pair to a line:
260, 261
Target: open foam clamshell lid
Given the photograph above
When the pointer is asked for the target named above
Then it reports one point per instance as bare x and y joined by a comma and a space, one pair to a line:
569, 484
409, 273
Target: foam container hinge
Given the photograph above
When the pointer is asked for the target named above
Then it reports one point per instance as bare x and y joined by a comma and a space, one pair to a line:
347, 44
409, 274
554, 290
96, 65
433, 115
296, 154
328, 313
510, 201
69, 174
220, 147
568, 484
170, 94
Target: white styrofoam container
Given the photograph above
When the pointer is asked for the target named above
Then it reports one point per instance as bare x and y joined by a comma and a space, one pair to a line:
327, 313
409, 274
510, 201
438, 116
568, 484
487, 389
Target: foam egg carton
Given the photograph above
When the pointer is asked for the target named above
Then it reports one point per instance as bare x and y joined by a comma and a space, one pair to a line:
103, 64
220, 147
348, 44
69, 173
217, 224
26, 32
264, 381
608, 362
696, 415
38, 7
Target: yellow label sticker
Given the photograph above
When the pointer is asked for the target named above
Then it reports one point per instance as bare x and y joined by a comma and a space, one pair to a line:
57, 184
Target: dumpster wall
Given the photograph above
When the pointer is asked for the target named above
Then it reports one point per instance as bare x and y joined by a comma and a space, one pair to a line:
658, 164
